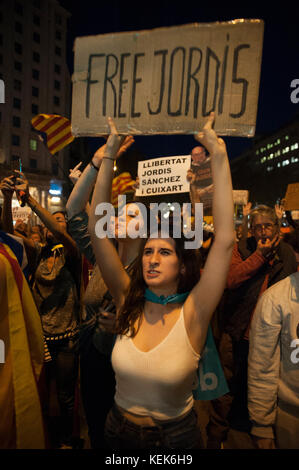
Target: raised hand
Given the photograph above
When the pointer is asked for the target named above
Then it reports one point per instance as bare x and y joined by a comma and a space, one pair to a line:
75, 173
268, 247
279, 210
22, 184
7, 186
247, 209
208, 138
114, 142
99, 154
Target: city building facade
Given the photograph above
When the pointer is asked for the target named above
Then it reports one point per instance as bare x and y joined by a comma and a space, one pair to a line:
33, 68
269, 165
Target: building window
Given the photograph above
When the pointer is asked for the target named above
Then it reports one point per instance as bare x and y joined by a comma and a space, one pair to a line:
57, 69
1, 40
35, 74
16, 121
286, 137
15, 158
15, 140
17, 84
1, 59
34, 109
294, 159
36, 37
56, 100
294, 146
17, 103
18, 27
18, 66
36, 57
58, 50
58, 19
33, 163
36, 3
35, 91
33, 144
58, 35
285, 162
19, 8
36, 20
56, 85
18, 48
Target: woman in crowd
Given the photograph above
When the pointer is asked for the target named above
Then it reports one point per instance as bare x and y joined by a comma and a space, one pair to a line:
162, 327
97, 381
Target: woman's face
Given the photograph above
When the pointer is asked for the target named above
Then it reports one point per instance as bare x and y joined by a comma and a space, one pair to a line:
160, 264
130, 220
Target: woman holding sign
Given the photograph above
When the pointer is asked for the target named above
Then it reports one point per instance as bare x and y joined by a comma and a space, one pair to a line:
163, 315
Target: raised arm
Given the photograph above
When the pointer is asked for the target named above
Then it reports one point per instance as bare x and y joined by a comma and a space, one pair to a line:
7, 188
80, 194
205, 296
114, 275
47, 218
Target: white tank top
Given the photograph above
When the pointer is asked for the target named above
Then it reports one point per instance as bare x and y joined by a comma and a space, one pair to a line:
157, 383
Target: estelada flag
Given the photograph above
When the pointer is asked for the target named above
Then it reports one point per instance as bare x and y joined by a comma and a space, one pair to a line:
21, 423
122, 184
57, 128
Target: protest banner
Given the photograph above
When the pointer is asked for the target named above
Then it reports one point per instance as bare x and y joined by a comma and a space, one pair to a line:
201, 182
240, 197
21, 213
164, 175
291, 201
167, 80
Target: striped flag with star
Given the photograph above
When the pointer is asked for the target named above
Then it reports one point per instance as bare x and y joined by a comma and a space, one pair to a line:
122, 184
57, 129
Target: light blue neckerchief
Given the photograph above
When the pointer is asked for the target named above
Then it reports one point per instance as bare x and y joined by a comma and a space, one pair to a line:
170, 299
211, 380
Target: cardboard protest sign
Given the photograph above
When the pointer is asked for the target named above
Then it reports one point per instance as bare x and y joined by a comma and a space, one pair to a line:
291, 201
167, 80
200, 177
21, 213
165, 175
240, 197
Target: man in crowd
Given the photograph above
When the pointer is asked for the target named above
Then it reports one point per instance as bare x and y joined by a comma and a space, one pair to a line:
273, 367
257, 263
55, 270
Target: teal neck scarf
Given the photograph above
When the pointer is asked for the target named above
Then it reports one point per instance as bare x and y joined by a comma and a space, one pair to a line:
170, 299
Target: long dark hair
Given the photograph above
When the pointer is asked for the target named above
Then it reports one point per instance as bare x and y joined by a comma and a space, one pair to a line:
133, 306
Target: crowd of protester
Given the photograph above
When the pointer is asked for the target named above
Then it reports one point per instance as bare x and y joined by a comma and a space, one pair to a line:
112, 331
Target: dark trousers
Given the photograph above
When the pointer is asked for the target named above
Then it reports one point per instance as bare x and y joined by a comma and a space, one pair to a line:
120, 433
63, 371
231, 410
97, 385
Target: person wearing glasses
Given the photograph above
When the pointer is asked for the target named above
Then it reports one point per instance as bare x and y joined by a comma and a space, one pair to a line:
257, 263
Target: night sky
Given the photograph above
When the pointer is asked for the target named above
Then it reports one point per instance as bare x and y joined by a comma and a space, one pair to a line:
280, 62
